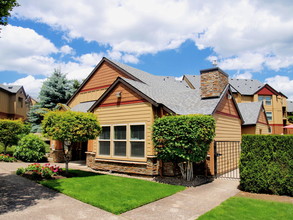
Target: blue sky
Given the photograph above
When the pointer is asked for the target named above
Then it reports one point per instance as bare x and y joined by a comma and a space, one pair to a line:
171, 38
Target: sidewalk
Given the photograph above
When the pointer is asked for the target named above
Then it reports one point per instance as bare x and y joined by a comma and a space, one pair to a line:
24, 199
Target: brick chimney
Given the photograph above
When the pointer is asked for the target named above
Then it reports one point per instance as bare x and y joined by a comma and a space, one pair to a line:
212, 82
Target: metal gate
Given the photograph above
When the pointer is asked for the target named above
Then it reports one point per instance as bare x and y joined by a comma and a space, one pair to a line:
227, 156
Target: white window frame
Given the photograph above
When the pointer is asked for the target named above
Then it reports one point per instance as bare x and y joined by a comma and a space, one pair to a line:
128, 141
141, 140
109, 140
270, 116
113, 140
264, 100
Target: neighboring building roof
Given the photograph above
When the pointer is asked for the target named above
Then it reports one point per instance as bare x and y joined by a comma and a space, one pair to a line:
246, 86
83, 106
250, 112
11, 88
289, 106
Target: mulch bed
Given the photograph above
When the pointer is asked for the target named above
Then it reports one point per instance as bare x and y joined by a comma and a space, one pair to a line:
275, 198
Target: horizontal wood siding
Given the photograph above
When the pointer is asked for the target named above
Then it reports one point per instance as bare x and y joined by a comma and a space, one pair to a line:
127, 114
262, 129
104, 76
4, 102
126, 96
262, 118
227, 128
86, 97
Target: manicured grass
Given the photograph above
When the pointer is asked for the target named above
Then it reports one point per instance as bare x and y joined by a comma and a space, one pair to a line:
111, 193
246, 208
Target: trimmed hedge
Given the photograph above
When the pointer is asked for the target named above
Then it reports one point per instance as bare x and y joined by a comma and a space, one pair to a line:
266, 164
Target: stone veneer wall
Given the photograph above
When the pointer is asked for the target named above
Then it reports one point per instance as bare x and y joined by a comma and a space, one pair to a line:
212, 82
58, 156
149, 169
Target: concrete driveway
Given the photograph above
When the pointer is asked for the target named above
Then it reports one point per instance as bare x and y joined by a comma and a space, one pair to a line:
24, 199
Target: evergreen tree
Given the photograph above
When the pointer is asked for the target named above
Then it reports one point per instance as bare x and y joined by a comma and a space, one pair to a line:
56, 89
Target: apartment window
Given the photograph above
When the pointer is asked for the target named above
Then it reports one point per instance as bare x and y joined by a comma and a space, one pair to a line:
20, 102
120, 140
269, 116
104, 141
267, 100
137, 140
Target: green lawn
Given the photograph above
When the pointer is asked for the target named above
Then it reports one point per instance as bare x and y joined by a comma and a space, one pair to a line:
111, 193
245, 208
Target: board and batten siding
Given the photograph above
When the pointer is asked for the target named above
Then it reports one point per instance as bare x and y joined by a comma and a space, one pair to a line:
4, 102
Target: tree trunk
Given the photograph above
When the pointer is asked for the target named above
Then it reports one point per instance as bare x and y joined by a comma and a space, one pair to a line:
5, 149
67, 156
186, 169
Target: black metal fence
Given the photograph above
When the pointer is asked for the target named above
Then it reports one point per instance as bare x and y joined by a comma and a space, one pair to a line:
227, 156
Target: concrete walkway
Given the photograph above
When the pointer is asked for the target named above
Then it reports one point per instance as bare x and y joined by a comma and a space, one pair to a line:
23, 199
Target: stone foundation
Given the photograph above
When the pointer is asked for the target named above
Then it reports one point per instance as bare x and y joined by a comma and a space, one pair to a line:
58, 156
150, 168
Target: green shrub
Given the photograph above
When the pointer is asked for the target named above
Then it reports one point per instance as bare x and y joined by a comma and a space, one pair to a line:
20, 171
183, 139
266, 164
31, 148
7, 158
290, 118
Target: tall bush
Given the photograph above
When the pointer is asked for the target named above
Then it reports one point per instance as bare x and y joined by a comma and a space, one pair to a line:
266, 164
183, 139
30, 148
10, 132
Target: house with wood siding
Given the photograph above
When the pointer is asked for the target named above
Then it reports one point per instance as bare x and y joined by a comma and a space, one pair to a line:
127, 101
13, 104
250, 90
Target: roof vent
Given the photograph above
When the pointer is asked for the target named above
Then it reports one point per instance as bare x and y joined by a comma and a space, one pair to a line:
10, 87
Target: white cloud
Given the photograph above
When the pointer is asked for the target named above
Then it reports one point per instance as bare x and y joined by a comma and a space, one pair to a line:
66, 49
246, 75
283, 84
31, 85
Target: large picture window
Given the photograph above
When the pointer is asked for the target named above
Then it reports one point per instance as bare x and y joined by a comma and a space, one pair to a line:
122, 141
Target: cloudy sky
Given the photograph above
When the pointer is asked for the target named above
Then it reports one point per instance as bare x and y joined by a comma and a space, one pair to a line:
249, 38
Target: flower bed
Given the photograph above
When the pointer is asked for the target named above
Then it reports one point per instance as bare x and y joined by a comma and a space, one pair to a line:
37, 171
7, 158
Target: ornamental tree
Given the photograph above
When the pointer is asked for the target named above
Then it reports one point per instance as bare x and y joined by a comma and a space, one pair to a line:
70, 127
183, 139
10, 132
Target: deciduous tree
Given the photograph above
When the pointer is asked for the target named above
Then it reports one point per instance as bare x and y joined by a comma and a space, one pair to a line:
6, 7
70, 127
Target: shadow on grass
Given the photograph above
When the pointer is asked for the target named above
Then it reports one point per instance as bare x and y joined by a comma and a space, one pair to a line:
18, 193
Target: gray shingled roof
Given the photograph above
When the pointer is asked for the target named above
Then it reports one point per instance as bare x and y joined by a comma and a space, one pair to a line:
289, 106
10, 88
246, 86
250, 112
83, 106
243, 86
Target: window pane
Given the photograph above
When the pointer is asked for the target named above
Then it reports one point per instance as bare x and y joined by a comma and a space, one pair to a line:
137, 132
268, 100
269, 115
105, 134
120, 132
120, 148
137, 149
260, 98
104, 147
